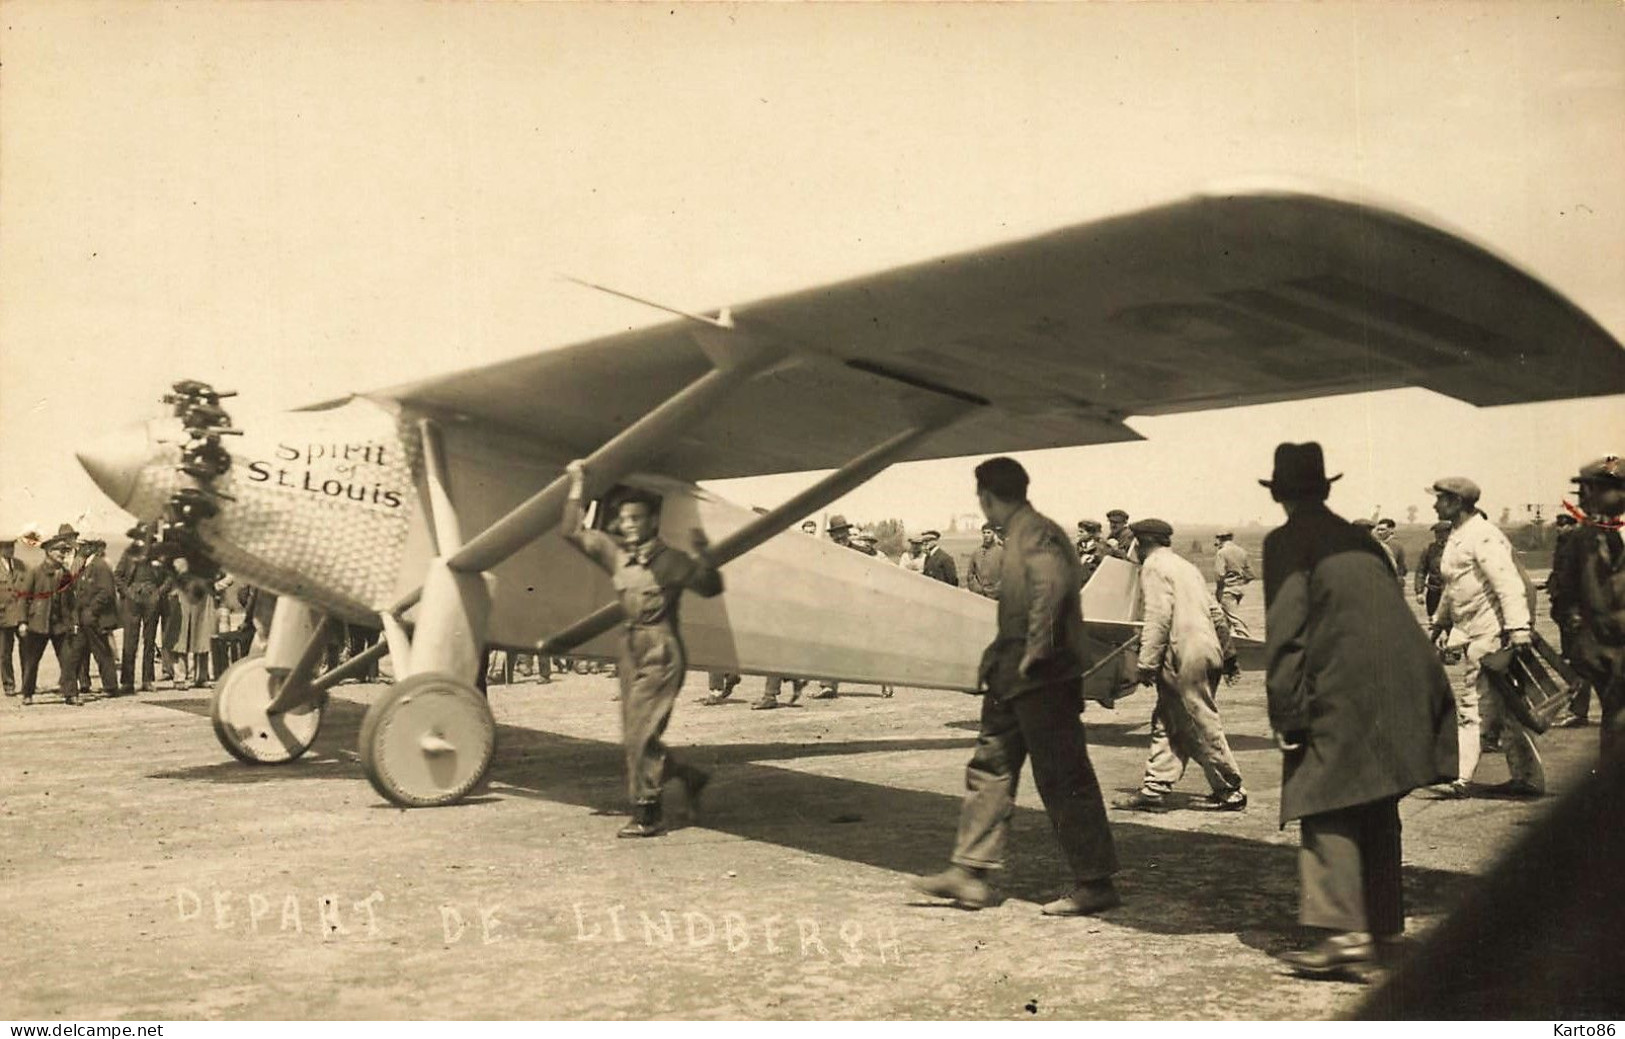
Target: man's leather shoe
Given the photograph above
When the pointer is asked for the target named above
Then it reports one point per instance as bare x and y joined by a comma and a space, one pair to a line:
1456, 789
1515, 788
965, 886
1229, 801
1140, 801
765, 704
1086, 900
646, 822
1334, 954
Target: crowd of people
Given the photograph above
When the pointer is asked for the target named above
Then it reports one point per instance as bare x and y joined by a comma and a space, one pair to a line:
179, 623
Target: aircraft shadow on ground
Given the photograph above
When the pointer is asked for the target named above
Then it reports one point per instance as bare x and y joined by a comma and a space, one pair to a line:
1174, 881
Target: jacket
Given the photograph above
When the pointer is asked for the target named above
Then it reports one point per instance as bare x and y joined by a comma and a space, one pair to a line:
1427, 568
1599, 650
1351, 675
1182, 621
939, 565
1040, 615
49, 596
13, 581
96, 596
1231, 567
1485, 590
982, 576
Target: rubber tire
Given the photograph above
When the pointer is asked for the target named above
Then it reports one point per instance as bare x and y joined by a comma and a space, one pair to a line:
466, 706
245, 670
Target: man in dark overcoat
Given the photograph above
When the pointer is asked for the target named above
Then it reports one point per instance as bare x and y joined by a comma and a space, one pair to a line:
1361, 708
1032, 683
50, 617
1599, 567
142, 577
96, 600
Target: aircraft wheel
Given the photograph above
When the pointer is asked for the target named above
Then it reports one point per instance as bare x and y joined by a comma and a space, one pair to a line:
242, 725
427, 741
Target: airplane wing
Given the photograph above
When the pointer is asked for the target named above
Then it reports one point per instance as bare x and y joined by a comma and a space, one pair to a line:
1215, 301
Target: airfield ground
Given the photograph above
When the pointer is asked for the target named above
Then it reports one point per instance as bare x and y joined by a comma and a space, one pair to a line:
145, 875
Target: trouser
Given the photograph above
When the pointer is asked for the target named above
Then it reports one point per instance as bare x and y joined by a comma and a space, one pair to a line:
651, 671
1186, 725
140, 635
722, 682
10, 646
1044, 724
1606, 672
1348, 870
1431, 600
98, 644
1580, 702
1230, 603
773, 683
66, 647
1475, 694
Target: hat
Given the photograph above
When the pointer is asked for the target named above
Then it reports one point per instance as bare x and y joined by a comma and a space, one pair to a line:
930, 535
1225, 534
65, 535
838, 522
92, 544
1446, 525
1117, 515
1089, 524
1363, 523
864, 535
1563, 520
1601, 470
1154, 527
1459, 486
990, 525
917, 539
1300, 471
139, 532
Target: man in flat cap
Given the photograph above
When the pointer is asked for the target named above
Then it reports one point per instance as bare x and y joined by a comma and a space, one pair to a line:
96, 600
51, 617
1232, 573
13, 608
1032, 682
1598, 570
1091, 547
982, 575
1487, 603
1119, 539
914, 559
1360, 707
1429, 581
1184, 650
938, 564
1383, 531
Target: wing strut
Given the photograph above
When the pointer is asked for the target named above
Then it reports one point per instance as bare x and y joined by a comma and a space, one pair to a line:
842, 481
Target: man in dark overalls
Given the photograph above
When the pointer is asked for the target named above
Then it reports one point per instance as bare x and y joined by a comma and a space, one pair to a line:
649, 577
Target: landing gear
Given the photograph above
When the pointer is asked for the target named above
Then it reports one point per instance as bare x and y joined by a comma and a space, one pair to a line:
247, 729
428, 741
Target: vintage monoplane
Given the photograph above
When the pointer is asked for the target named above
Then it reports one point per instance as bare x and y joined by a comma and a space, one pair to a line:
430, 510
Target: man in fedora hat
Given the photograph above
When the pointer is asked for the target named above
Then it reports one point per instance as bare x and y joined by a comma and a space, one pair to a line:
95, 599
937, 563
13, 607
1487, 603
840, 532
50, 617
1598, 611
1184, 649
1031, 677
1429, 581
1361, 710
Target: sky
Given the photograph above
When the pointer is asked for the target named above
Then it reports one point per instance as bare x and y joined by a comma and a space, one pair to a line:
299, 201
